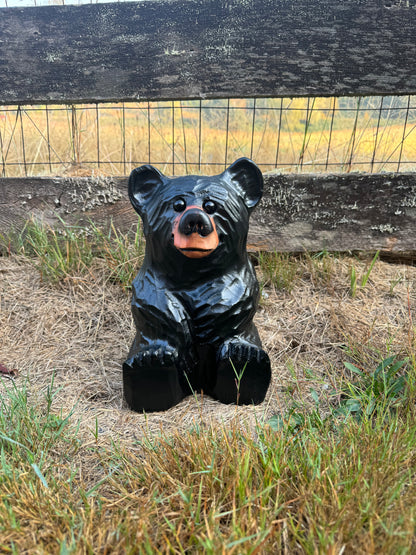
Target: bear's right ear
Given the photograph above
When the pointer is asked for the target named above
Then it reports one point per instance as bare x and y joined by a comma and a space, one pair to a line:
249, 177
142, 183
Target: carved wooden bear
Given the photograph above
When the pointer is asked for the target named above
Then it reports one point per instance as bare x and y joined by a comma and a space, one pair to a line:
196, 293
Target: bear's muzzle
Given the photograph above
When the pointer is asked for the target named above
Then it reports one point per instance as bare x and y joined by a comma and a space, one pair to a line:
194, 233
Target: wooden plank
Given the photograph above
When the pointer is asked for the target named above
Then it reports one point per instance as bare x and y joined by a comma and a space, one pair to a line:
343, 212
167, 49
313, 212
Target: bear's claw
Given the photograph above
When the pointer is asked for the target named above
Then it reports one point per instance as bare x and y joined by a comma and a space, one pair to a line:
243, 352
158, 354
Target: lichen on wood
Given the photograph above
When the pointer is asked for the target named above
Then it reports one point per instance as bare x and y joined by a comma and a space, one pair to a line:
341, 212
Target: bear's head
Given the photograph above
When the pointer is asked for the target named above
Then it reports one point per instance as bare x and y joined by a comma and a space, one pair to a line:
195, 220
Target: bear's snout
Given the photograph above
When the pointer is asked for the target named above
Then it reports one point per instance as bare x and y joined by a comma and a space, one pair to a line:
195, 221
194, 233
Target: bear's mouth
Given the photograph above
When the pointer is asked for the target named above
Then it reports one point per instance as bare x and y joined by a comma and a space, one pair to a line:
195, 252
194, 246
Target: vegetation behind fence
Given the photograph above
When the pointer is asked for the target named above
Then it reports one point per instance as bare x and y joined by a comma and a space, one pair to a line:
370, 134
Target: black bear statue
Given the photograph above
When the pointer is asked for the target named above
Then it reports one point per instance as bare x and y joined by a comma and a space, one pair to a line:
196, 294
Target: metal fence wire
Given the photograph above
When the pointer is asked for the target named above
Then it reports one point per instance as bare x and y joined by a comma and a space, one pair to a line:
370, 134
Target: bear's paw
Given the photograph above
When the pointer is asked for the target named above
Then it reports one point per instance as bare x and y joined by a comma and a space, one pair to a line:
151, 380
243, 373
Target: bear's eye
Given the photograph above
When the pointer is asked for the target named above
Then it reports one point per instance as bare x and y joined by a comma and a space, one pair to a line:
179, 205
209, 206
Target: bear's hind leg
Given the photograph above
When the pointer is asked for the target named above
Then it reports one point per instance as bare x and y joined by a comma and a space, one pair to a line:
243, 373
151, 379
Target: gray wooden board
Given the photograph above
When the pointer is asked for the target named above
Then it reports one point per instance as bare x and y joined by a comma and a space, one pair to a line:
167, 49
314, 212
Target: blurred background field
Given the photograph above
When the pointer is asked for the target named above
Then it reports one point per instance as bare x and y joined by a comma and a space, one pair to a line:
371, 134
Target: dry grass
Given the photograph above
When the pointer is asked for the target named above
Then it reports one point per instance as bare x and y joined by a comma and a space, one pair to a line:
201, 477
81, 331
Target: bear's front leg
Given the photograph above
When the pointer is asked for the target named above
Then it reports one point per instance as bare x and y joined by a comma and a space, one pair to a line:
160, 362
243, 372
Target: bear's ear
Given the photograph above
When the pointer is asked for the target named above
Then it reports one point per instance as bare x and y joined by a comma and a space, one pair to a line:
249, 177
142, 183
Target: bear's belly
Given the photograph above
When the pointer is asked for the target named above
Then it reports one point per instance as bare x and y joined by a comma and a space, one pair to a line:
220, 310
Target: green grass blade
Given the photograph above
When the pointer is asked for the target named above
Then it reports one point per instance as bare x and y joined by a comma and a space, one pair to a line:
367, 274
39, 475
354, 369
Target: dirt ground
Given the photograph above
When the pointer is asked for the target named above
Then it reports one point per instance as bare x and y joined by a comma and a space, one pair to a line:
81, 331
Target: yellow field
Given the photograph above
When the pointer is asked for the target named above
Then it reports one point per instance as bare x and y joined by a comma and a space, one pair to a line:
302, 134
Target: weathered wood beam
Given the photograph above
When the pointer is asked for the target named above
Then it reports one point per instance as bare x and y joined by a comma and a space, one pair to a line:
298, 212
172, 49
344, 212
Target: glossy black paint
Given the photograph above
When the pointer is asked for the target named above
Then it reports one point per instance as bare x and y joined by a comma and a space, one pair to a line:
196, 293
195, 221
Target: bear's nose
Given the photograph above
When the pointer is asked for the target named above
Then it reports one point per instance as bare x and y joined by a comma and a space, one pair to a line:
195, 221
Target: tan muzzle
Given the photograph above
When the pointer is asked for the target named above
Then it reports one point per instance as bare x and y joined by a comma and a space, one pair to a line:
194, 233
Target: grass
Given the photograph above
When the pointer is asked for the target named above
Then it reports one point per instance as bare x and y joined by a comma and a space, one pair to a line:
278, 270
67, 252
383, 389
364, 278
310, 485
333, 472
281, 271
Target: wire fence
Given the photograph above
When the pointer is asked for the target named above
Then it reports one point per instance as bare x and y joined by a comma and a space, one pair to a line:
370, 134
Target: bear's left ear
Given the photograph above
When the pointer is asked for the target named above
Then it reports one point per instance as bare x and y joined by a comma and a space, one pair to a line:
245, 172
142, 183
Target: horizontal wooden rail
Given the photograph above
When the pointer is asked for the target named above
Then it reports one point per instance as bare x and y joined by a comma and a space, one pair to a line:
183, 49
313, 212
